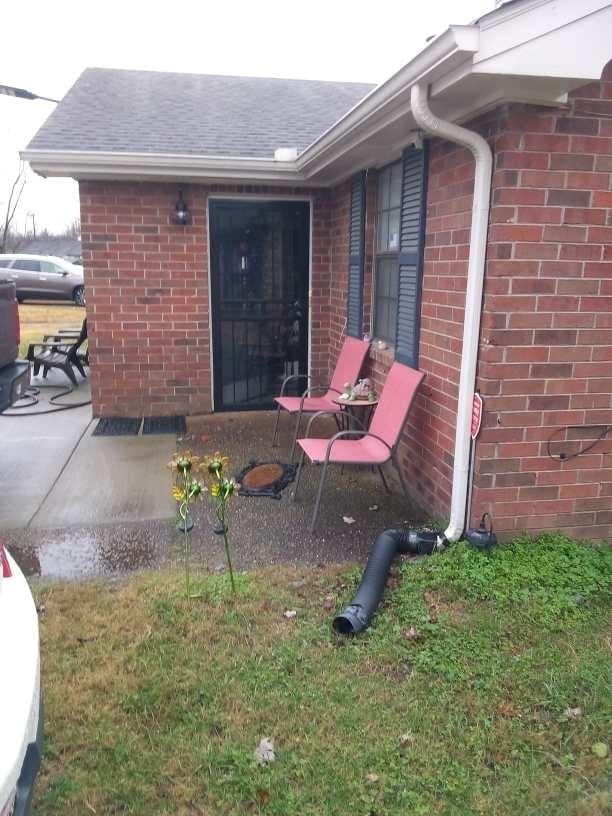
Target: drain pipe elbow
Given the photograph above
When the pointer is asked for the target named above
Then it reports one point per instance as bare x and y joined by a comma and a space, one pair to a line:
357, 615
483, 157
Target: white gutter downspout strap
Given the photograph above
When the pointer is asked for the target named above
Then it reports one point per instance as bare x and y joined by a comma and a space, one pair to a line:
473, 299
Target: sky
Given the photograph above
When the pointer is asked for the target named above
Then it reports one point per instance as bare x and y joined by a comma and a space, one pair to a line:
52, 42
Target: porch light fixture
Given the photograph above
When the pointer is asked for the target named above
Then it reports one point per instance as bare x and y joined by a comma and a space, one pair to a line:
181, 212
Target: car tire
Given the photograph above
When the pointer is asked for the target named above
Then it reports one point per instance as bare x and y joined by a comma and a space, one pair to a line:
78, 296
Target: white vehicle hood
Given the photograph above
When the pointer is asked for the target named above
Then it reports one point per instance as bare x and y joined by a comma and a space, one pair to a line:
19, 676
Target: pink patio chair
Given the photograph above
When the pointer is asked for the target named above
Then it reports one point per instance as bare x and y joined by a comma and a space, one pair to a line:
348, 366
376, 446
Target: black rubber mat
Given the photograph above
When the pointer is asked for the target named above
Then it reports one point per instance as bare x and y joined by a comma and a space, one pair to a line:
118, 426
164, 425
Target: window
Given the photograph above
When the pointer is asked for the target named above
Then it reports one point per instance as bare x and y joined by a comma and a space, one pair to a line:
400, 239
387, 252
49, 268
27, 266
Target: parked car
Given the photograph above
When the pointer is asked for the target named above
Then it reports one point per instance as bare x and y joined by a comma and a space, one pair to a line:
14, 374
21, 734
44, 276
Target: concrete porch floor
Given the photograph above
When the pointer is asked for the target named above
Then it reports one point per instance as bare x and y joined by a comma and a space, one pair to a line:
86, 535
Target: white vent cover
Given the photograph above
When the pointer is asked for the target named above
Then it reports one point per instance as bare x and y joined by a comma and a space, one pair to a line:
285, 154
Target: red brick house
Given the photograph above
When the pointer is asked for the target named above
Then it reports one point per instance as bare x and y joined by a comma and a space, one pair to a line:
320, 209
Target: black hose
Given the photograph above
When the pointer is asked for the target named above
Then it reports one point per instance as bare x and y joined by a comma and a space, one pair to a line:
31, 398
358, 614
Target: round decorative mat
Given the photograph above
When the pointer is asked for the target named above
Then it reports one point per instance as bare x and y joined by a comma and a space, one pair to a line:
265, 478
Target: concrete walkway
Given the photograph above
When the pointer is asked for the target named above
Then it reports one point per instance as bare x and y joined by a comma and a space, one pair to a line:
112, 479
54, 473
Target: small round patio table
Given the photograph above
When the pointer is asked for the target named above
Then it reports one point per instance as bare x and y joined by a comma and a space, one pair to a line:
351, 407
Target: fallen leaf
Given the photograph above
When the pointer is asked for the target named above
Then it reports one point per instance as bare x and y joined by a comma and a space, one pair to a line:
290, 613
508, 710
329, 602
405, 739
371, 778
573, 713
373, 507
412, 634
263, 796
348, 519
600, 749
264, 752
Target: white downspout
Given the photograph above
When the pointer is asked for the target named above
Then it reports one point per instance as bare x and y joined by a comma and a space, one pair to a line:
430, 123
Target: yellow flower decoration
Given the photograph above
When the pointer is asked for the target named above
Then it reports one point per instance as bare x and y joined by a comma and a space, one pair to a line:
215, 464
178, 493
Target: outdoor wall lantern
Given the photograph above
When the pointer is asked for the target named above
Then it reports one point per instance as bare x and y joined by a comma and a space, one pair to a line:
181, 212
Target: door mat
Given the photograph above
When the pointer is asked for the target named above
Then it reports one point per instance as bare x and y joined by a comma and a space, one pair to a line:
117, 426
164, 425
265, 478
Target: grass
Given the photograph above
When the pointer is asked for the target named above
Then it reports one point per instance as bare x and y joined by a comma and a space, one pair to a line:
39, 318
481, 688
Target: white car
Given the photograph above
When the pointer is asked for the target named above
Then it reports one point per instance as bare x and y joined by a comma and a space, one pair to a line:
44, 277
21, 714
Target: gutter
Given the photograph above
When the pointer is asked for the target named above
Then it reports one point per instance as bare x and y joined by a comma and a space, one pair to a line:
109, 164
481, 151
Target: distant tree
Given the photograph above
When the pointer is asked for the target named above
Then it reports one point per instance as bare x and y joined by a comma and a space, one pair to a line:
73, 230
11, 207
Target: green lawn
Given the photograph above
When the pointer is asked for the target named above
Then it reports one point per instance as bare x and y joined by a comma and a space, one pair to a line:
482, 688
39, 318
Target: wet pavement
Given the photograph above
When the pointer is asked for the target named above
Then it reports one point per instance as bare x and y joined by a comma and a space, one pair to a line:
263, 531
34, 449
55, 474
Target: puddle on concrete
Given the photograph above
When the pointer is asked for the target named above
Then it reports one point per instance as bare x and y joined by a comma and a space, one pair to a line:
88, 553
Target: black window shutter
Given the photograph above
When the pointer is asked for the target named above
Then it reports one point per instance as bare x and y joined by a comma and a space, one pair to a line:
412, 239
354, 317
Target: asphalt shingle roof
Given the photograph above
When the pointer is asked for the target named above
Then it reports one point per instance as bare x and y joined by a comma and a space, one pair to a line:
198, 114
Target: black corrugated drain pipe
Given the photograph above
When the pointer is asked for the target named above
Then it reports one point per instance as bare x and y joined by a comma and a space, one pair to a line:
358, 614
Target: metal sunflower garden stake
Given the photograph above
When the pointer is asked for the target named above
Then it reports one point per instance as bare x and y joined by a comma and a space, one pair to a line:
186, 490
222, 489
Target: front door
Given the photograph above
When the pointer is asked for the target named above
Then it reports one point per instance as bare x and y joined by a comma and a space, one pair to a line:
259, 275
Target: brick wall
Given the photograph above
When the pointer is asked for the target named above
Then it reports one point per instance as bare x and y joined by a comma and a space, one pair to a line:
427, 444
147, 295
545, 358
546, 342
340, 204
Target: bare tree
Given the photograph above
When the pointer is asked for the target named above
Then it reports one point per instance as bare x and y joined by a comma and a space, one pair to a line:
11, 205
73, 230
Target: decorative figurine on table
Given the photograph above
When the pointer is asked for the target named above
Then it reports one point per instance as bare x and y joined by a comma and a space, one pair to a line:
362, 390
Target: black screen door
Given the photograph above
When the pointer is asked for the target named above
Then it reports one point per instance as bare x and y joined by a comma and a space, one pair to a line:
259, 277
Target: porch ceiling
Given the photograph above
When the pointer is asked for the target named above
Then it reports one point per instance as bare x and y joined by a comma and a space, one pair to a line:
524, 51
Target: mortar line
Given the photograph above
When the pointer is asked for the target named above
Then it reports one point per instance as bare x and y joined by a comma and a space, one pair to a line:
59, 475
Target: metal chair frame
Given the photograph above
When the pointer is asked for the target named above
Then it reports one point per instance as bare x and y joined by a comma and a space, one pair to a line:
307, 393
355, 432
